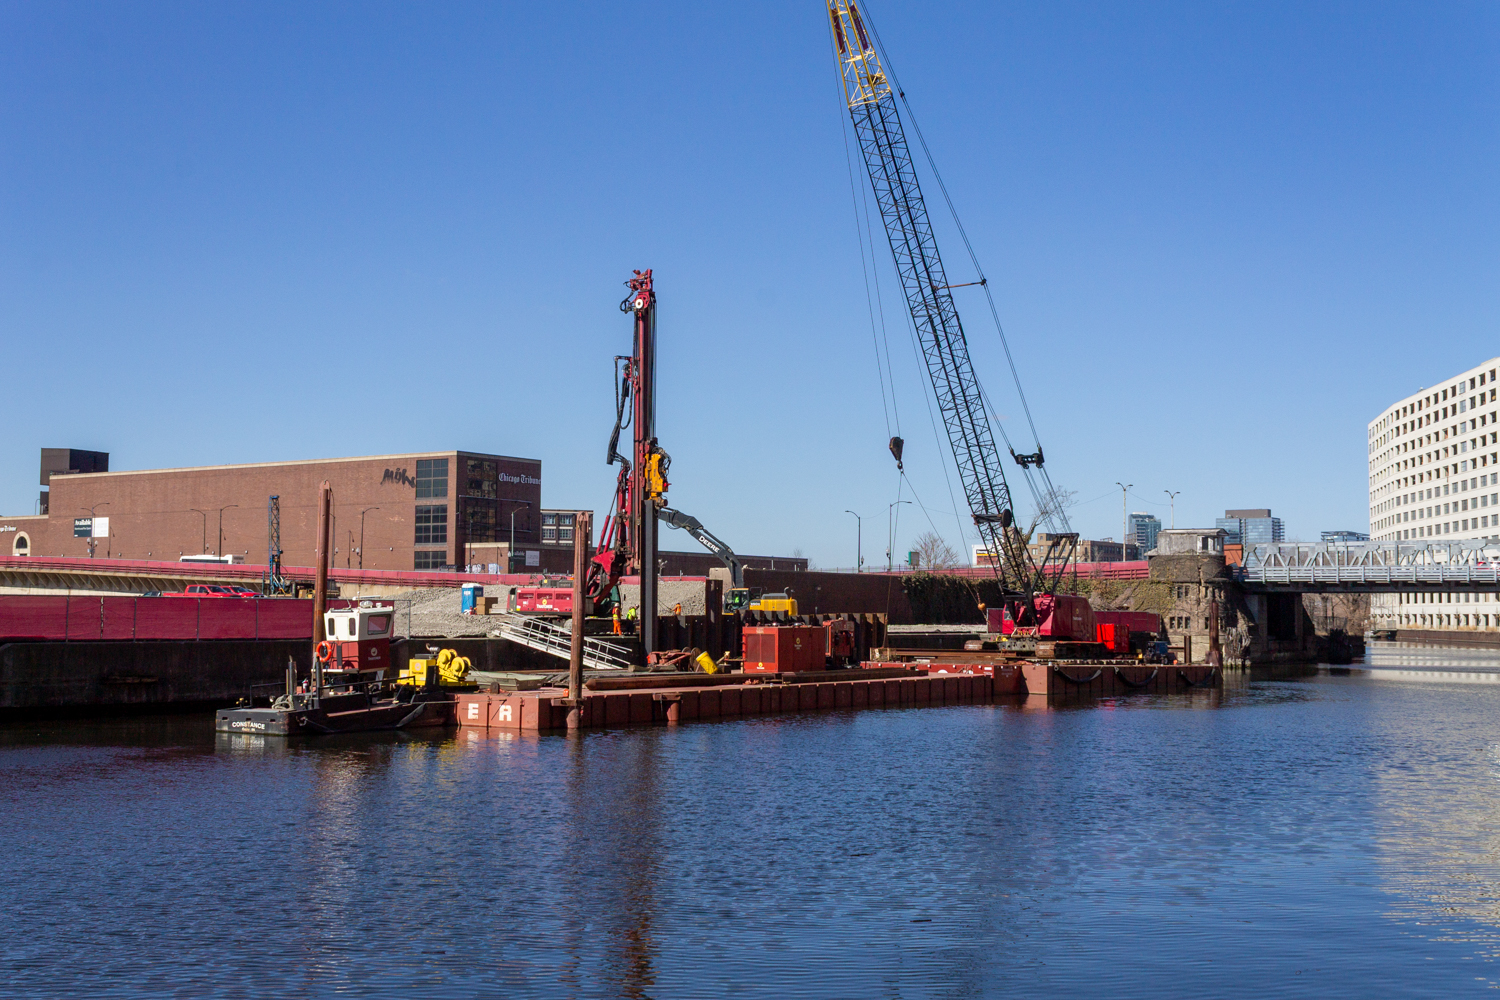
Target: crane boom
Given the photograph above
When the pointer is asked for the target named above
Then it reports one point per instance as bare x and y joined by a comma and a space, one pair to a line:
709, 541
893, 179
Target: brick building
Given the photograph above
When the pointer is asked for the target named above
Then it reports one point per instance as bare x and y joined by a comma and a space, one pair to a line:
416, 511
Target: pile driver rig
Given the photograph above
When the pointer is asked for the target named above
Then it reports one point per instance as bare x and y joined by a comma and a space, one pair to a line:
627, 540
893, 180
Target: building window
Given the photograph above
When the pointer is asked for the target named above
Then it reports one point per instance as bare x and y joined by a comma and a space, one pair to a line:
432, 478
481, 520
22, 545
432, 525
430, 559
481, 479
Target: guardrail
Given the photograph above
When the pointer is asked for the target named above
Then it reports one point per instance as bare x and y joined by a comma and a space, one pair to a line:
541, 635
1371, 575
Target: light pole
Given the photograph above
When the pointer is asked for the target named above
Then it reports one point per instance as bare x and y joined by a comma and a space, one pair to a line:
1172, 498
91, 524
204, 547
219, 548
1124, 516
511, 554
362, 535
890, 531
859, 545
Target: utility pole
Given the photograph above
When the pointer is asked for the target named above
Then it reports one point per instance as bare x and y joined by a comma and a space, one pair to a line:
1124, 516
510, 554
362, 534
1172, 498
859, 544
91, 524
890, 531
219, 548
320, 584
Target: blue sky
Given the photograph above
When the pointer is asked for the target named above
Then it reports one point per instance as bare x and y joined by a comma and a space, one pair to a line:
1222, 237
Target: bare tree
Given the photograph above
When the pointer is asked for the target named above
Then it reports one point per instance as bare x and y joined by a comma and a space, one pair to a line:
1055, 504
934, 552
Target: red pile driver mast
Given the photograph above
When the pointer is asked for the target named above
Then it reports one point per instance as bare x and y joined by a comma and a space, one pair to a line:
627, 540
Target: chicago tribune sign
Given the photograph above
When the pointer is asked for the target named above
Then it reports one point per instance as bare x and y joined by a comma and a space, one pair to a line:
506, 477
397, 476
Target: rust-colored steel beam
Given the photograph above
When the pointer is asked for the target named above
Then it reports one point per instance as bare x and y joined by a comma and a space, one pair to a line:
583, 531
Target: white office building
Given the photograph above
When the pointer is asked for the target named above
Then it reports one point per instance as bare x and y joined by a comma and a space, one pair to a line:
1434, 459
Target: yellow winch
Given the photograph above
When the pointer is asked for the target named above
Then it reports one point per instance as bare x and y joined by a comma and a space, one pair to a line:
446, 669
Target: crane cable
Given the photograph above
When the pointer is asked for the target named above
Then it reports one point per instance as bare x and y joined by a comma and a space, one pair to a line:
864, 233
1048, 490
883, 370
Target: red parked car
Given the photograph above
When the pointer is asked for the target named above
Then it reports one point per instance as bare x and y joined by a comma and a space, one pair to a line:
212, 590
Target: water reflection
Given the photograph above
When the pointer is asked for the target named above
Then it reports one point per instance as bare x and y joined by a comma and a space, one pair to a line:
1339, 834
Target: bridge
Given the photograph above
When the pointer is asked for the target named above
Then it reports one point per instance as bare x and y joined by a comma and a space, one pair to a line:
1371, 567
78, 575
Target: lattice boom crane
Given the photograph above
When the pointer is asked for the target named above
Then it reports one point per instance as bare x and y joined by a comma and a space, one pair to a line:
882, 142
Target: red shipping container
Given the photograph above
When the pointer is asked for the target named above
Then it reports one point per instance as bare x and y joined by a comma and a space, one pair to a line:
784, 649
1116, 637
1134, 621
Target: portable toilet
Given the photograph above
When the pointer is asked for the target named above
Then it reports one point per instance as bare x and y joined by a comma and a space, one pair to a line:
472, 592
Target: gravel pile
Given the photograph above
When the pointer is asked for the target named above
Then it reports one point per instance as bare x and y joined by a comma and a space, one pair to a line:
433, 613
689, 592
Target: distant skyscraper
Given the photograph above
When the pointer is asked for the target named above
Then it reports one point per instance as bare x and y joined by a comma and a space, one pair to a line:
1143, 529
1251, 527
1345, 536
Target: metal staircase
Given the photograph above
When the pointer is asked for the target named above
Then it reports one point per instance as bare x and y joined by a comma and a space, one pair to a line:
546, 637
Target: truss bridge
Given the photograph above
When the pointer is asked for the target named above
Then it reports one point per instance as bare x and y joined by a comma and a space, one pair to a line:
1371, 567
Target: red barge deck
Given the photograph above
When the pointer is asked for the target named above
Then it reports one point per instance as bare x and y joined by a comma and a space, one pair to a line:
667, 699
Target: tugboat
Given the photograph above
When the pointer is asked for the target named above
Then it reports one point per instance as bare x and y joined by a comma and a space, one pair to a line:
350, 689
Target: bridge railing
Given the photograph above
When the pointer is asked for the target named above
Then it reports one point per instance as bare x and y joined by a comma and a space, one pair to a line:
1462, 573
1334, 555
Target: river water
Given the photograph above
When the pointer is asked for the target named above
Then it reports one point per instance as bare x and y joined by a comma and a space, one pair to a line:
1324, 835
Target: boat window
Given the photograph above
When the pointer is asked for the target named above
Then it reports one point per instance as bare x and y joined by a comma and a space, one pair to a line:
378, 624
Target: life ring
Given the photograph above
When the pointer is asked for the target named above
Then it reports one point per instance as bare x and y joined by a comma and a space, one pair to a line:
324, 652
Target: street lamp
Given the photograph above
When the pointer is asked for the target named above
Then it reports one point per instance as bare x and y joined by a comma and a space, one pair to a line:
511, 554
859, 545
362, 535
1172, 498
219, 548
1124, 516
91, 524
890, 531
204, 547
